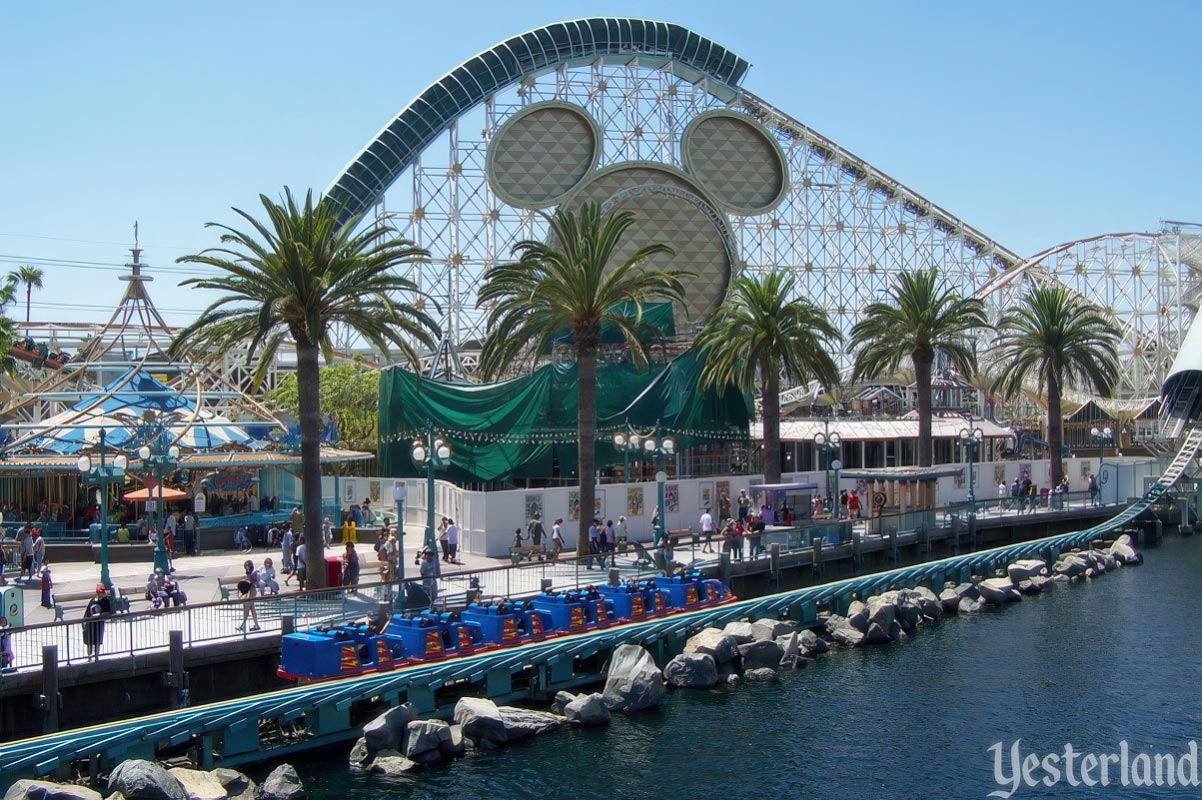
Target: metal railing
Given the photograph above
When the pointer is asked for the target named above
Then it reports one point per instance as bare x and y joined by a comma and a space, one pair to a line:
128, 634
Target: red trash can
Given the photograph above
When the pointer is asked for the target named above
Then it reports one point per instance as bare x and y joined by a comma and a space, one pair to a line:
333, 570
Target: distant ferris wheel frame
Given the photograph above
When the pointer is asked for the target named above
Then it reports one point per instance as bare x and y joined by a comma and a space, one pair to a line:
842, 227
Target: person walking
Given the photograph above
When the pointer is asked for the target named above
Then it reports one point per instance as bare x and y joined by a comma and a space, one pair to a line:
248, 589
557, 541
25, 542
190, 543
39, 551
594, 542
534, 529
707, 532
443, 544
453, 542
286, 542
302, 565
98, 608
853, 505
611, 542
350, 566
1093, 490
47, 587
143, 528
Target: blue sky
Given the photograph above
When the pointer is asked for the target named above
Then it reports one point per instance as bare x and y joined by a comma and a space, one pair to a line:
1035, 122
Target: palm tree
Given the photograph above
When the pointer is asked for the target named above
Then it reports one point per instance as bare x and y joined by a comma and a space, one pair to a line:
1056, 338
760, 331
32, 278
923, 315
8, 327
569, 282
294, 278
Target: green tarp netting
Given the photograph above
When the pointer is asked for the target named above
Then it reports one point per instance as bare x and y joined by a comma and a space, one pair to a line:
526, 427
657, 322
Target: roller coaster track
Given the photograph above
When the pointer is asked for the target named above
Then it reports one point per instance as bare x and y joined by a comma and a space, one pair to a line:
113, 741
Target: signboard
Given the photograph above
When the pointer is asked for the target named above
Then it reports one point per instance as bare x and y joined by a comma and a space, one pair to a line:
232, 481
14, 606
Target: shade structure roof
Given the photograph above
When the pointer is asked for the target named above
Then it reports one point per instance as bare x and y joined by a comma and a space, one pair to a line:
169, 495
122, 409
851, 430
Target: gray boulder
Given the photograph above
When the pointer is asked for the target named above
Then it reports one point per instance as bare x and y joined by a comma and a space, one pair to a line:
392, 766
561, 701
521, 723
949, 599
879, 635
691, 671
1058, 578
908, 609
882, 609
387, 731
144, 780
426, 739
456, 745
1071, 564
714, 642
769, 629
1124, 552
968, 590
740, 631
857, 615
359, 755
237, 786
590, 709
970, 606
282, 784
759, 655
1024, 569
996, 590
847, 636
1035, 584
43, 790
760, 674
199, 785
926, 601
633, 682
481, 722
812, 644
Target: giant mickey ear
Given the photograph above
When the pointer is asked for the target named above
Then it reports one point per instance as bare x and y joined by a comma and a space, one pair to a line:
736, 160
542, 153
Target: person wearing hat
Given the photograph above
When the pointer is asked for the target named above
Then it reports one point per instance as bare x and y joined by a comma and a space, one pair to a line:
429, 573
99, 607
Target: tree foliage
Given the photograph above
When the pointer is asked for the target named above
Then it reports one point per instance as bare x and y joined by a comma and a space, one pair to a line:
761, 333
349, 393
294, 278
571, 281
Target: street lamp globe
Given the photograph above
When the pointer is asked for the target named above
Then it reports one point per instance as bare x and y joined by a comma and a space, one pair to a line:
144, 452
444, 451
121, 462
649, 445
173, 453
1094, 432
669, 445
419, 453
620, 439
835, 439
83, 464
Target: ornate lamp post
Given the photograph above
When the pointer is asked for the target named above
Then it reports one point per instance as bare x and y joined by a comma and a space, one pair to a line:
104, 475
163, 459
432, 453
1101, 438
828, 444
660, 446
970, 440
628, 441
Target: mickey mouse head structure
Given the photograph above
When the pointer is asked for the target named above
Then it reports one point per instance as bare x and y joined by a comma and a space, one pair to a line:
547, 154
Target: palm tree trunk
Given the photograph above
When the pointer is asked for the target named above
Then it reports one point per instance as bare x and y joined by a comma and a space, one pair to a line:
586, 434
922, 380
28, 300
307, 386
1055, 429
770, 402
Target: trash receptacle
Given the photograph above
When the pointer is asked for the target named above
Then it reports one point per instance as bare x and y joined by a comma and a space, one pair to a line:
333, 571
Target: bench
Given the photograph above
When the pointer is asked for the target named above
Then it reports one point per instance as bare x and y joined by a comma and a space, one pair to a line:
517, 554
675, 537
224, 584
119, 602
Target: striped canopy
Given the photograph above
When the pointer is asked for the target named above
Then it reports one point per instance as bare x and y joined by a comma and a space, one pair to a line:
121, 410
